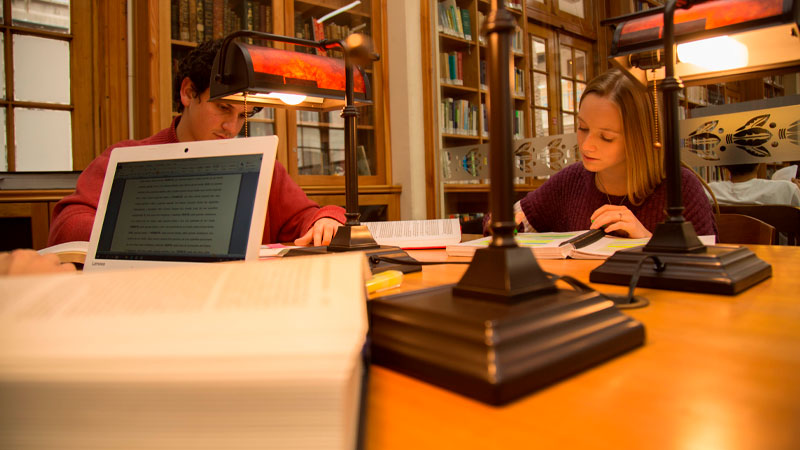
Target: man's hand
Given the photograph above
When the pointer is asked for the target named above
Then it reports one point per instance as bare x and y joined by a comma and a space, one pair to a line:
26, 261
320, 233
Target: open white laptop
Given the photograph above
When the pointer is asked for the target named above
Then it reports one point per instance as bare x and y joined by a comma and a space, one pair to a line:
189, 202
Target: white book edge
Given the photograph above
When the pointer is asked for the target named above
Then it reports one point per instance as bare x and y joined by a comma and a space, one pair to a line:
434, 233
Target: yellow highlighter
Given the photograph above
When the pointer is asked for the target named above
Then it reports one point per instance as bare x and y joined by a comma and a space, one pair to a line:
387, 279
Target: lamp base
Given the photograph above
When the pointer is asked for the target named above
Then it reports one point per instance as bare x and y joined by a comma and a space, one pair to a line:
720, 269
357, 238
497, 352
378, 266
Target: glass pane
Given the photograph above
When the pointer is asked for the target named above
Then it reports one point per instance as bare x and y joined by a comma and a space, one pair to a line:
320, 151
580, 87
261, 124
566, 61
257, 129
43, 139
365, 153
539, 59
50, 15
41, 70
2, 68
567, 95
574, 7
540, 89
541, 121
309, 150
568, 120
265, 114
3, 147
580, 64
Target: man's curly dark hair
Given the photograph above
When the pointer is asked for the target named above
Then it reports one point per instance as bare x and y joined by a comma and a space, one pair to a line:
197, 66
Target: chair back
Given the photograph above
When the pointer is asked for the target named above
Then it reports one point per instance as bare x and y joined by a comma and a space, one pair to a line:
785, 218
741, 229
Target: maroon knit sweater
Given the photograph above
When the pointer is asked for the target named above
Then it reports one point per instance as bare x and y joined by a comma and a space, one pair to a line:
567, 200
290, 214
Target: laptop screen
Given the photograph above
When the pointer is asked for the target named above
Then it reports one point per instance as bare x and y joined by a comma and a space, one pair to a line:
192, 209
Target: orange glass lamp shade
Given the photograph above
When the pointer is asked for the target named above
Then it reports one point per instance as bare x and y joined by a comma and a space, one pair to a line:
759, 35
285, 79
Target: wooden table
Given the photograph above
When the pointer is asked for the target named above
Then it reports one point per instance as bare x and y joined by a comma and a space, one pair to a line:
716, 372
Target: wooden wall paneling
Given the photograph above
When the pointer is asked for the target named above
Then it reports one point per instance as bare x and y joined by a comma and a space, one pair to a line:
110, 76
149, 62
429, 102
83, 61
382, 105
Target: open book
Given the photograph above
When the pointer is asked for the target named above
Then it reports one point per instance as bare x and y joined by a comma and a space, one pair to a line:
68, 252
574, 244
435, 233
229, 355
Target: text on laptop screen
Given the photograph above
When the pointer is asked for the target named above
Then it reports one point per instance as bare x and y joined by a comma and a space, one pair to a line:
194, 209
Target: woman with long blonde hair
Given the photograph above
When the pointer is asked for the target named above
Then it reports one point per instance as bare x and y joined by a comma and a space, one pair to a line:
618, 184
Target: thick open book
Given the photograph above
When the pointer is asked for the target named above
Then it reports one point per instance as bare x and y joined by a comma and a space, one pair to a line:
230, 355
574, 244
435, 233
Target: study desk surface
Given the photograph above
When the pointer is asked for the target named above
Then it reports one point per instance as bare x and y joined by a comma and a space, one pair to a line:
716, 372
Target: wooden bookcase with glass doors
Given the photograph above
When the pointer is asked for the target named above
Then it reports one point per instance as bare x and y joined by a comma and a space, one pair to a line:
311, 144
551, 65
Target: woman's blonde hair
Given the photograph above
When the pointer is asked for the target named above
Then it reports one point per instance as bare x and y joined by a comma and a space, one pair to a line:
644, 162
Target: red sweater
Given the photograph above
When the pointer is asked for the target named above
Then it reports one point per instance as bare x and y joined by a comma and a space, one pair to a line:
567, 200
290, 214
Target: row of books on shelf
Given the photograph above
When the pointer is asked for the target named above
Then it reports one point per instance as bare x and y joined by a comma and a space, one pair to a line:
517, 41
519, 82
697, 94
204, 20
467, 217
458, 116
454, 21
519, 79
312, 29
711, 173
451, 68
514, 4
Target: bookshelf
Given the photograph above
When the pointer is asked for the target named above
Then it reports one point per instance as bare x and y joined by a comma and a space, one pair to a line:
461, 94
553, 57
312, 144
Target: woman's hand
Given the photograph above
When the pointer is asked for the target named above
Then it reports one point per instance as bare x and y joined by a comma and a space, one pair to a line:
618, 218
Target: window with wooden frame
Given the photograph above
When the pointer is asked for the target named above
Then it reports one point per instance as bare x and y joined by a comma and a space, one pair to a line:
560, 67
42, 108
576, 12
574, 56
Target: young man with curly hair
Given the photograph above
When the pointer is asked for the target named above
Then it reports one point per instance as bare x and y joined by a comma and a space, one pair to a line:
291, 215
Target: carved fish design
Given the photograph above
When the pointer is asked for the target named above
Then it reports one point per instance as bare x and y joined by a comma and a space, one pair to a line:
792, 133
702, 142
752, 136
523, 156
552, 155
